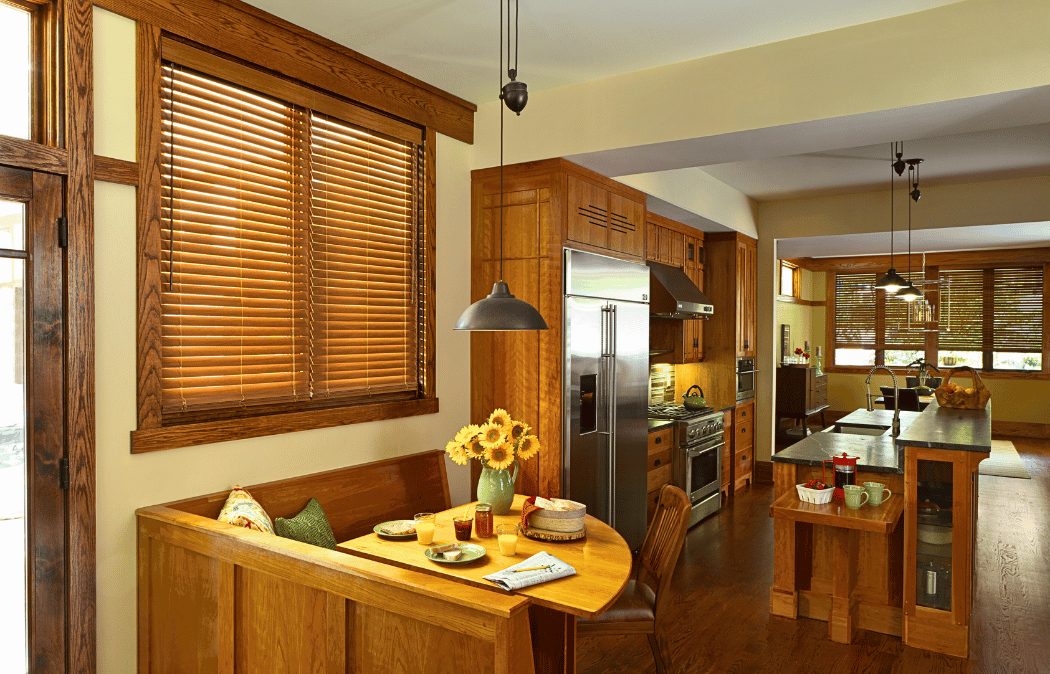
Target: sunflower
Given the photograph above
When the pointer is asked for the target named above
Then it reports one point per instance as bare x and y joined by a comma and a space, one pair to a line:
500, 417
500, 456
456, 452
528, 447
473, 448
518, 429
467, 432
492, 435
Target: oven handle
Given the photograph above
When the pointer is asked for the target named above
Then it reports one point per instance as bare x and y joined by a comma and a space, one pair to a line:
747, 371
697, 451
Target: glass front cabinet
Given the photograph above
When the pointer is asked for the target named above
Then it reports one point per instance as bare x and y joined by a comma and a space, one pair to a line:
940, 529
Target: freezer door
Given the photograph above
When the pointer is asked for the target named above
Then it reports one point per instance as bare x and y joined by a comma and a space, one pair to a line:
586, 448
631, 365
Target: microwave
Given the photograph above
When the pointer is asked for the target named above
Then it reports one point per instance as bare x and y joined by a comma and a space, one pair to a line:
745, 379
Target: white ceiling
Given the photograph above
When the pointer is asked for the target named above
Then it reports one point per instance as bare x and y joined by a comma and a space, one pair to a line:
982, 155
454, 44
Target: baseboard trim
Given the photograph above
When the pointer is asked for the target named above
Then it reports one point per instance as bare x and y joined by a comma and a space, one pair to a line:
1020, 429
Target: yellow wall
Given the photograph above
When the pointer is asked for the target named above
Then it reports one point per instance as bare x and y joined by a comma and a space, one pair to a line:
126, 482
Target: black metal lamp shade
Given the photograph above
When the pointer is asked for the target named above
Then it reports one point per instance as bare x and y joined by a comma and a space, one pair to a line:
501, 311
891, 282
910, 293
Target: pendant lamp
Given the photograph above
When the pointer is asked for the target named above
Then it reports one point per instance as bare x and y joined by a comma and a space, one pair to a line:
501, 311
892, 281
911, 293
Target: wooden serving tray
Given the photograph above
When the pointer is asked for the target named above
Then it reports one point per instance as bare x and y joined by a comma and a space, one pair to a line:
547, 535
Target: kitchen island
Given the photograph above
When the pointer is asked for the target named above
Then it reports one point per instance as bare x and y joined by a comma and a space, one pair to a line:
869, 569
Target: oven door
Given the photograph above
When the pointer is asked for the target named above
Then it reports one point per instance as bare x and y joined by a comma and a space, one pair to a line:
703, 468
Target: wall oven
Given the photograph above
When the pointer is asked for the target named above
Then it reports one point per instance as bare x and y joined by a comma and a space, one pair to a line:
745, 379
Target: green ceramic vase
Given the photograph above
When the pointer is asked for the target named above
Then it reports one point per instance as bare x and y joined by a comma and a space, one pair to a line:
496, 487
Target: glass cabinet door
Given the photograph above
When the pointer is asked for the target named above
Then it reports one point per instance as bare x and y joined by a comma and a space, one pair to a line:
933, 547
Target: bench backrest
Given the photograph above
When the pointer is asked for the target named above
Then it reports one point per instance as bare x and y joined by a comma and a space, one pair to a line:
355, 498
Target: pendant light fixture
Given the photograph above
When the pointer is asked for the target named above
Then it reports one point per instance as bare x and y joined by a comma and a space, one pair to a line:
502, 311
892, 281
911, 293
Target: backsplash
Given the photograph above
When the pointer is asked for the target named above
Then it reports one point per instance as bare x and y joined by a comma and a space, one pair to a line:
661, 384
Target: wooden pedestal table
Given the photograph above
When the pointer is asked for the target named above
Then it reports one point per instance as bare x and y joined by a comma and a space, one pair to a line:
602, 561
789, 512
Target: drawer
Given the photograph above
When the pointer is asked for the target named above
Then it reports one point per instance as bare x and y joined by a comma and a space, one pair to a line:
658, 478
659, 458
661, 440
744, 464
743, 434
819, 399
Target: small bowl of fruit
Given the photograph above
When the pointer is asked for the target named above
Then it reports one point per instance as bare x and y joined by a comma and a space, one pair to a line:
815, 491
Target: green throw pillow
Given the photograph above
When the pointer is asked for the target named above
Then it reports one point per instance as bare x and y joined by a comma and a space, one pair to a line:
309, 526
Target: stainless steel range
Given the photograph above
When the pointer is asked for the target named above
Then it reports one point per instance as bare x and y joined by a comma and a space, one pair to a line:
698, 458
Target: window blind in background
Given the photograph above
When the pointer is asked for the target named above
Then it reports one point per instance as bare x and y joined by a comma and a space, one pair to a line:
289, 251
1017, 296
962, 314
855, 310
362, 260
900, 334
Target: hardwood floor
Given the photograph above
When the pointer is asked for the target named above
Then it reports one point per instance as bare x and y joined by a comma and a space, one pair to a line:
720, 618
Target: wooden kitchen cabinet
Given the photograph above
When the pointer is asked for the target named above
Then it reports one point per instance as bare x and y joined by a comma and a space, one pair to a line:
727, 453
677, 245
743, 444
661, 457
547, 205
602, 218
746, 281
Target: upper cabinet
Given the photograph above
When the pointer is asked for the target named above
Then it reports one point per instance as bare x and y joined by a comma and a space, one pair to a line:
746, 252
665, 244
677, 245
605, 219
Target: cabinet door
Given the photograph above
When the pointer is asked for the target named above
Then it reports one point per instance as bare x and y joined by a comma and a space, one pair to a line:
652, 242
626, 225
692, 252
677, 248
745, 303
588, 207
694, 335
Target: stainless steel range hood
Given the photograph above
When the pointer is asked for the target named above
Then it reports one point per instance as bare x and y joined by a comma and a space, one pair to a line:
673, 295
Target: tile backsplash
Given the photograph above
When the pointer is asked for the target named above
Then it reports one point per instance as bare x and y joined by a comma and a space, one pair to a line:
661, 384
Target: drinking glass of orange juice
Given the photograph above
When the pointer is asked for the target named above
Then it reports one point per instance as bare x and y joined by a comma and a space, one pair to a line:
425, 528
508, 539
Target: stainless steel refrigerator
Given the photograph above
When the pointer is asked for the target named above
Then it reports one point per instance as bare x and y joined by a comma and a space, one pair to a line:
606, 379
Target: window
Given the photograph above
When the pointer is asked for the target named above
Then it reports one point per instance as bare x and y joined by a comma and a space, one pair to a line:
293, 259
990, 319
790, 283
16, 55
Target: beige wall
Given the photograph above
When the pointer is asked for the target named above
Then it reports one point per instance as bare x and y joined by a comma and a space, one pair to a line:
126, 482
943, 206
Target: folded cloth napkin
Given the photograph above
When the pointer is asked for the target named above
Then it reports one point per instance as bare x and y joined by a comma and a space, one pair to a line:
553, 568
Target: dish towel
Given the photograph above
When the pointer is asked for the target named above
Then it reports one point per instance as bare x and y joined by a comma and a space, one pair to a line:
553, 568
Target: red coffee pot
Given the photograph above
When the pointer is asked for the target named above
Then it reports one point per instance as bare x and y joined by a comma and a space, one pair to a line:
845, 468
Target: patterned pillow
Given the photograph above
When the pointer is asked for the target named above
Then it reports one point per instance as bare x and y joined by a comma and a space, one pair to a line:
309, 526
242, 510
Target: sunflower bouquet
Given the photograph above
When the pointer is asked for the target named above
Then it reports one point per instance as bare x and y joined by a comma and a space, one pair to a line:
496, 443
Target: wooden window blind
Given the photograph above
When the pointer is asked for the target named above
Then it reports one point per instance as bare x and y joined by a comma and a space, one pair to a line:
899, 333
1017, 310
962, 315
290, 251
855, 310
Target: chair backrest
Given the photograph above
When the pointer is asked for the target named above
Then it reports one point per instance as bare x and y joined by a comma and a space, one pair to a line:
664, 541
887, 397
909, 400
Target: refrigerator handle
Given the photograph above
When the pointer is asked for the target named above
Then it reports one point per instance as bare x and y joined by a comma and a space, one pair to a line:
609, 362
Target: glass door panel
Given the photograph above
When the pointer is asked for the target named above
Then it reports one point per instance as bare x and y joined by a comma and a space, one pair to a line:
14, 630
933, 582
16, 55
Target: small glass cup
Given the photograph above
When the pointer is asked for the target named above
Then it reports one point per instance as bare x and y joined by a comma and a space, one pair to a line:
507, 536
425, 523
463, 526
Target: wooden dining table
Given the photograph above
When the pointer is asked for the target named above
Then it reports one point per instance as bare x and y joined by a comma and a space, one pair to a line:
602, 561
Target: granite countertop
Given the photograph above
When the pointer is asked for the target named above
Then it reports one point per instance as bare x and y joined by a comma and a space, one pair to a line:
935, 427
660, 424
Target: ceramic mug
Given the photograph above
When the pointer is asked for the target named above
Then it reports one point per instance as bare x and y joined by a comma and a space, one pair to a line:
877, 493
853, 494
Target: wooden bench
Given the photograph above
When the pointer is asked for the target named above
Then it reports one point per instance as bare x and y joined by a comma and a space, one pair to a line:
213, 597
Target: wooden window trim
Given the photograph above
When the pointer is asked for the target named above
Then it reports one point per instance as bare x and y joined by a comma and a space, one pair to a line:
796, 280
155, 430
931, 345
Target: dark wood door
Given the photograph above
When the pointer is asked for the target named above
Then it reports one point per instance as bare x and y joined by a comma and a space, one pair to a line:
32, 439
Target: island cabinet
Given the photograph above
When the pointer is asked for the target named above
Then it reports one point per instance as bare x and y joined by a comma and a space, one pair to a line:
905, 567
547, 205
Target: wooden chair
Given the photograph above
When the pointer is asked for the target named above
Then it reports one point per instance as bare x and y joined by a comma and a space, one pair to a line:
639, 608
909, 399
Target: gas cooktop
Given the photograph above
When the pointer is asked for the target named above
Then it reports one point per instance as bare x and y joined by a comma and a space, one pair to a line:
677, 412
